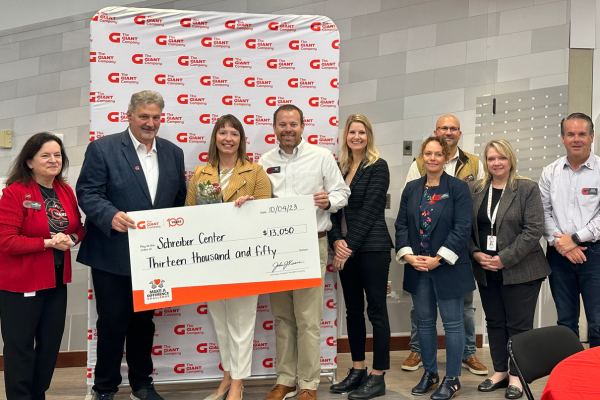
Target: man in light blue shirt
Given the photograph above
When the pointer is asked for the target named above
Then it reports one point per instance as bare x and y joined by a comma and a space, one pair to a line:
569, 188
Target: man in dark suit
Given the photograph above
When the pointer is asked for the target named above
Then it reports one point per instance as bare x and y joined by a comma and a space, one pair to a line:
129, 171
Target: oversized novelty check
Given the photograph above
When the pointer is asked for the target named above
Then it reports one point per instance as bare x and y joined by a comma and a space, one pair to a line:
210, 252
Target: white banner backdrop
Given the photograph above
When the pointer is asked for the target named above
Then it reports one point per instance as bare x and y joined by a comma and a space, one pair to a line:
207, 64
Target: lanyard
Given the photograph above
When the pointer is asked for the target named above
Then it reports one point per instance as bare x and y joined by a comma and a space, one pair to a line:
492, 217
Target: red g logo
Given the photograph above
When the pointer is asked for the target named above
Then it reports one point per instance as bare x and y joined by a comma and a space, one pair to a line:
115, 37
293, 82
250, 81
330, 268
313, 101
182, 99
294, 44
331, 304
179, 330
140, 20
334, 83
157, 351
270, 139
184, 60
333, 121
227, 100
113, 117
179, 368
270, 101
89, 334
137, 58
312, 139
161, 40
331, 341
158, 313
268, 363
230, 24
315, 64
202, 348
228, 62
268, 325
251, 43
249, 119
92, 56
335, 44
204, 158
141, 225
274, 26
182, 137
205, 80
186, 22
206, 41
114, 77
160, 79
205, 118
202, 309
315, 26
272, 63
221, 367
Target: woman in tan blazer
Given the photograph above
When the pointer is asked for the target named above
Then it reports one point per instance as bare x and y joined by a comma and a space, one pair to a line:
240, 180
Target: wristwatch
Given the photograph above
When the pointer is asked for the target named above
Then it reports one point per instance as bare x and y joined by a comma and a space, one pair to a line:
575, 239
440, 259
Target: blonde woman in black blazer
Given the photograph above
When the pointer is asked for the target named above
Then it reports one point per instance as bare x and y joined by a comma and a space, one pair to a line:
508, 261
362, 245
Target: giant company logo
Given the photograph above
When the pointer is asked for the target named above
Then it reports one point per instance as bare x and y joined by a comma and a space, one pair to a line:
235, 62
169, 40
258, 345
278, 63
302, 45
238, 25
168, 312
90, 292
331, 303
125, 38
253, 157
188, 175
190, 137
301, 83
145, 59
321, 140
100, 57
334, 83
331, 341
323, 27
117, 116
257, 120
236, 101
274, 101
95, 135
323, 64
326, 361
163, 79
170, 118
308, 121
333, 121
328, 324
259, 44
282, 27
209, 119
202, 309
191, 99
215, 42
99, 97
271, 139
188, 368
92, 334
258, 82
191, 61
203, 156
269, 363
117, 77
148, 224
268, 325
188, 329
104, 17
146, 20
335, 44
193, 23
262, 307
328, 287
166, 350
322, 102
213, 81
204, 348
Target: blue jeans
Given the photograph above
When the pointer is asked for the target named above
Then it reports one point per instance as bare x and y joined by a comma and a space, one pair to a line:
426, 304
469, 321
568, 280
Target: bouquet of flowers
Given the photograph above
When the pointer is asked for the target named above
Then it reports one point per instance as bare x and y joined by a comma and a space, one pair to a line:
208, 193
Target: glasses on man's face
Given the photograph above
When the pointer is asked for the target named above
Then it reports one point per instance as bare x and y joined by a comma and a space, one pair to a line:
445, 129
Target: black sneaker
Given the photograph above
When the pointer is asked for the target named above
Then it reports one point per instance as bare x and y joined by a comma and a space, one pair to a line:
146, 393
352, 382
373, 386
103, 396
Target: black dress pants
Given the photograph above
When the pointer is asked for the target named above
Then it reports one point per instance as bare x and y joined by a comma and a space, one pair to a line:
118, 327
28, 367
509, 310
367, 273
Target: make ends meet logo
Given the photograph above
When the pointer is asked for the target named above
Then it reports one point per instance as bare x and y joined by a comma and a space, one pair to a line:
117, 77
215, 42
169, 40
145, 59
279, 63
123, 38
194, 23
276, 101
190, 137
99, 97
235, 62
282, 27
103, 58
259, 44
191, 99
301, 83
302, 45
105, 18
239, 25
191, 61
147, 20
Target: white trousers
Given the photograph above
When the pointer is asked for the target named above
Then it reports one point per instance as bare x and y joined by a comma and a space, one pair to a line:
234, 321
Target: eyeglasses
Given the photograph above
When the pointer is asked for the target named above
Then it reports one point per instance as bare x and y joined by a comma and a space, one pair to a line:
445, 129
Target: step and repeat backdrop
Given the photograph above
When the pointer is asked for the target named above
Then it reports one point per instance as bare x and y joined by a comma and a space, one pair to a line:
206, 64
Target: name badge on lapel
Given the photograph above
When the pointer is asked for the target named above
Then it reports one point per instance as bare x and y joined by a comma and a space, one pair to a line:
34, 205
273, 170
444, 196
589, 191
469, 178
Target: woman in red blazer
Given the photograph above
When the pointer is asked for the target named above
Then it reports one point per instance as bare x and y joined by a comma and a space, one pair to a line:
39, 224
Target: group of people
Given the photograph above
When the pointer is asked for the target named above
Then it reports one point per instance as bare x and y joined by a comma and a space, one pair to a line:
461, 220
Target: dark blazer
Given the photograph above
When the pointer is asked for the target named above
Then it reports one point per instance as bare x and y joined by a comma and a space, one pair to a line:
451, 229
365, 212
519, 227
109, 182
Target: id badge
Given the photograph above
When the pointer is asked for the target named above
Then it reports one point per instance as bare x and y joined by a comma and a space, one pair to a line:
491, 243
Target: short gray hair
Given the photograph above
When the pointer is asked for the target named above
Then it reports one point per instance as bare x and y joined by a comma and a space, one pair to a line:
146, 97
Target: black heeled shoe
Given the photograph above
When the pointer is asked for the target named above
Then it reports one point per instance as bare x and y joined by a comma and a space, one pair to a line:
489, 386
351, 382
449, 388
429, 381
373, 386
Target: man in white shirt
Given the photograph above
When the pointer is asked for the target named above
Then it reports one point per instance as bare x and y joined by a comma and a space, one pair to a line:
469, 168
299, 168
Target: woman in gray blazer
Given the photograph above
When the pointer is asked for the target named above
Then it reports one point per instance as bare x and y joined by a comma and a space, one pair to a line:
508, 262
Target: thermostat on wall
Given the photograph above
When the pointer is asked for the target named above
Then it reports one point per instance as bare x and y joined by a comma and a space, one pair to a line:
6, 139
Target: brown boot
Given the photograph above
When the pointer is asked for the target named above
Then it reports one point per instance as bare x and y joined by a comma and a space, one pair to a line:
307, 394
474, 365
280, 392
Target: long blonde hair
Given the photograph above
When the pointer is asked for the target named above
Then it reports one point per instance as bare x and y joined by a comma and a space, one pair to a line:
505, 149
371, 153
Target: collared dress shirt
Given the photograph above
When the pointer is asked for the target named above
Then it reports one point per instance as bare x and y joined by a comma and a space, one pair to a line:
571, 199
309, 169
148, 163
449, 168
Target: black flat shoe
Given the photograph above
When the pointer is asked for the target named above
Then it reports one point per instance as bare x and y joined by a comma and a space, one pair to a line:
373, 386
513, 392
351, 382
489, 386
449, 388
429, 381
